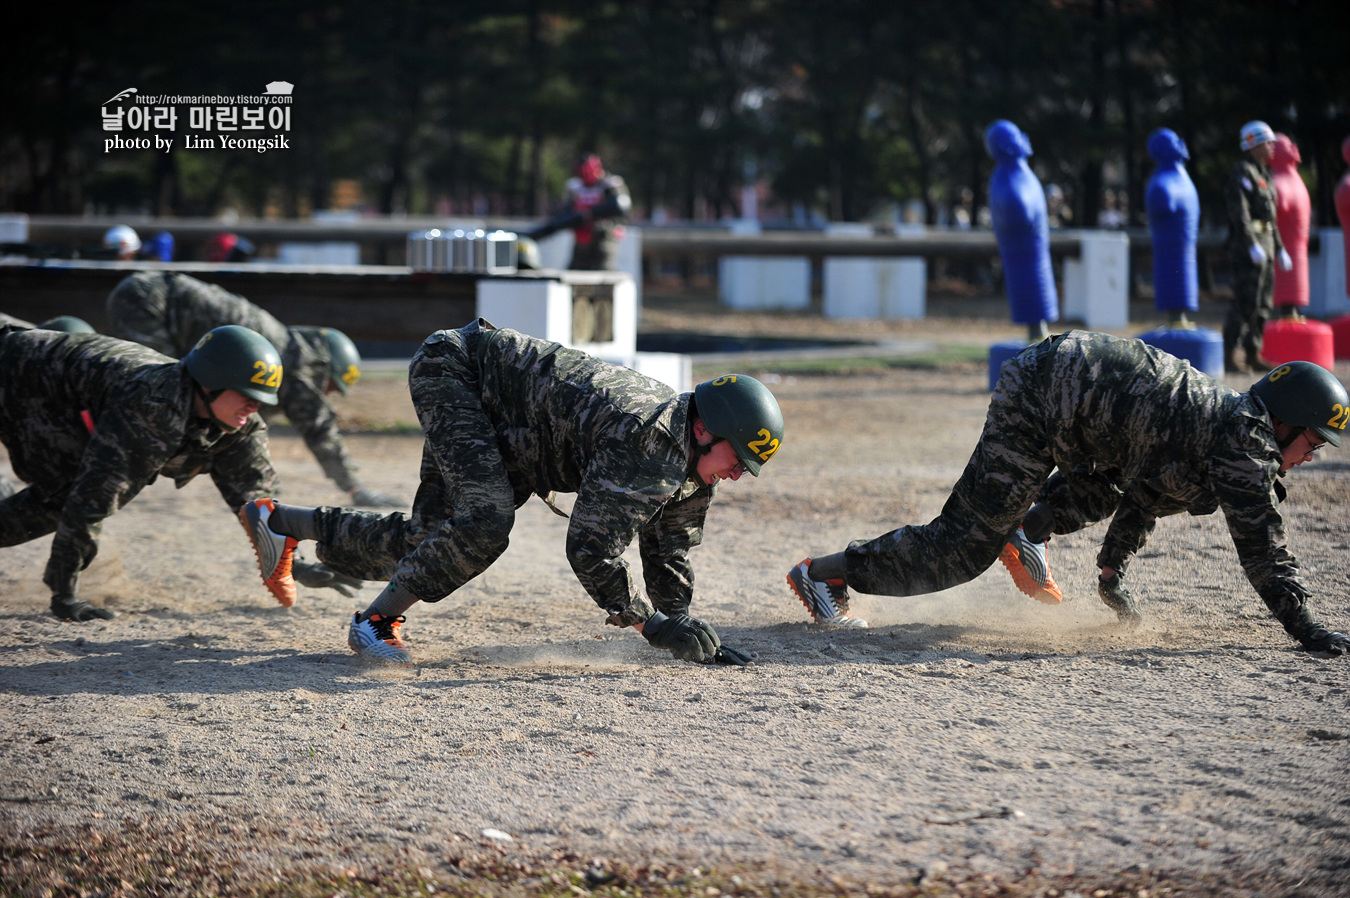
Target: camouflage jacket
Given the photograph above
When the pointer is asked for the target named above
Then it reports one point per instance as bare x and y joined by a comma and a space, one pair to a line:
569, 422
1249, 194
189, 308
307, 363
139, 425
1174, 440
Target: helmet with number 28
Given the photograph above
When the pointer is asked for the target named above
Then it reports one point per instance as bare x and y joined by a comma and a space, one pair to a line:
344, 365
1302, 394
235, 358
742, 411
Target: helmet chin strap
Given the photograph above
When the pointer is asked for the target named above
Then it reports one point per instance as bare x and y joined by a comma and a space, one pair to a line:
701, 449
207, 399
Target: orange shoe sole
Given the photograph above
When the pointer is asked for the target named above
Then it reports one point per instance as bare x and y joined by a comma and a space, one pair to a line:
1048, 594
281, 584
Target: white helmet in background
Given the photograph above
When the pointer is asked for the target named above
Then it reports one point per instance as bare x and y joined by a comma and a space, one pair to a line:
122, 239
1256, 133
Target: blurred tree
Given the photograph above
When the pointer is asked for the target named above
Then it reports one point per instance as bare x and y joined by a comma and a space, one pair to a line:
847, 108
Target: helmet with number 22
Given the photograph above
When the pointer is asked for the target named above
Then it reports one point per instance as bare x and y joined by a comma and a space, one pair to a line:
742, 411
235, 358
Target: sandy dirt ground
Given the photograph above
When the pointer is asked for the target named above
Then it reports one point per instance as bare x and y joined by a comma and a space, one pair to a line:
969, 742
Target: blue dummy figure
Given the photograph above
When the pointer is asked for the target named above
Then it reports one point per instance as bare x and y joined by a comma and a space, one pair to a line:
1173, 222
160, 248
1017, 204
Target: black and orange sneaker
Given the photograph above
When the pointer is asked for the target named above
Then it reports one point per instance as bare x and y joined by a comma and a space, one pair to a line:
376, 638
275, 552
826, 600
1029, 564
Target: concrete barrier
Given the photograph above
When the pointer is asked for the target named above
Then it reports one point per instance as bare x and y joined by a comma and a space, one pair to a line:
872, 286
762, 282
1097, 283
1326, 277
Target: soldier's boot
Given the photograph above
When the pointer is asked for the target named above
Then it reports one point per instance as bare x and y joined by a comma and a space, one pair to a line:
1029, 564
275, 552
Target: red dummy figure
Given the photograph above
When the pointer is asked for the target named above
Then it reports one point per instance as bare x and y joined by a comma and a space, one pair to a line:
1343, 210
1293, 216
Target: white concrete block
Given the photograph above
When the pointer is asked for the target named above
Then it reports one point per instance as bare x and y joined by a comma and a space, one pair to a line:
875, 287
329, 253
544, 308
764, 282
540, 308
1096, 284
13, 227
1326, 277
673, 369
555, 250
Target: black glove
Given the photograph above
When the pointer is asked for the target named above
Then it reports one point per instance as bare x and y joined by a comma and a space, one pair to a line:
1118, 599
375, 499
728, 655
71, 608
317, 575
688, 638
1317, 638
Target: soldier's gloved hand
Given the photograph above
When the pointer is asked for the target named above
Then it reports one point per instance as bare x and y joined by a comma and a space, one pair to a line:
1116, 597
1317, 638
71, 608
1286, 263
317, 575
1258, 254
687, 638
376, 499
728, 655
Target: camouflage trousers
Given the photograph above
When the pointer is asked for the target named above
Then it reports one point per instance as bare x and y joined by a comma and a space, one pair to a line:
1008, 469
48, 459
465, 505
601, 254
1085, 496
141, 315
1253, 301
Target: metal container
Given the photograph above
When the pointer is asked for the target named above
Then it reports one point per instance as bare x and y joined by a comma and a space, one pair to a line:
461, 253
440, 252
476, 249
421, 248
500, 255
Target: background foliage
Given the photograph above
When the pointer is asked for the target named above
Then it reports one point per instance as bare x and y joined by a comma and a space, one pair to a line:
840, 109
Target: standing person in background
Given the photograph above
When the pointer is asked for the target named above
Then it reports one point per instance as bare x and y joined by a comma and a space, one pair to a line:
1254, 246
602, 202
169, 312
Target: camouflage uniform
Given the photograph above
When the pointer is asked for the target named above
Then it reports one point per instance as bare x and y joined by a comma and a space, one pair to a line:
1250, 195
7, 487
1132, 430
170, 312
90, 421
508, 416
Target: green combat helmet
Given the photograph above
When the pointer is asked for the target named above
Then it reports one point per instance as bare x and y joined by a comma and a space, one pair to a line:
1302, 394
742, 411
68, 324
235, 358
344, 362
